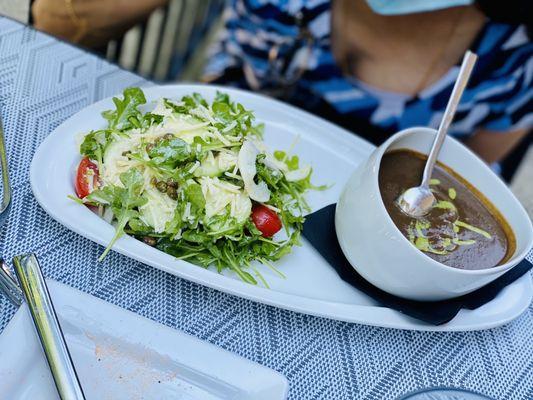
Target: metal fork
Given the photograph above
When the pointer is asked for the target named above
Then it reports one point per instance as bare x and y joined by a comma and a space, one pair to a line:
6, 196
9, 285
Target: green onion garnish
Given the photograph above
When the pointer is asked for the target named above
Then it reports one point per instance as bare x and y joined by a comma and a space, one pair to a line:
446, 205
452, 193
473, 229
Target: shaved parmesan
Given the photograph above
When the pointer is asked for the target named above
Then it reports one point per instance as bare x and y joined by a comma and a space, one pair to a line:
270, 161
218, 195
161, 109
246, 162
298, 174
241, 207
158, 210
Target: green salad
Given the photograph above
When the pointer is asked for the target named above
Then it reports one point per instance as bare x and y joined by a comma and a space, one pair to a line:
195, 180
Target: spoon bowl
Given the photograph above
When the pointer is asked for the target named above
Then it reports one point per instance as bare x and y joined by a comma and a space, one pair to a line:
417, 201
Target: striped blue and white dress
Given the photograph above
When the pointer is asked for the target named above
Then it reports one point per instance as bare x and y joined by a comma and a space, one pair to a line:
498, 98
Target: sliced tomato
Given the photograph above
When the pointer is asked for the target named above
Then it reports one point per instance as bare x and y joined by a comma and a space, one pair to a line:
87, 178
266, 220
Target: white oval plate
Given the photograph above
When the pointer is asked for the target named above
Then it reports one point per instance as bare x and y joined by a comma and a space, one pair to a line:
311, 286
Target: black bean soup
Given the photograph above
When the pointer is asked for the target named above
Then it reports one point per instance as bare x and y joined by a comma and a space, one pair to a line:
463, 230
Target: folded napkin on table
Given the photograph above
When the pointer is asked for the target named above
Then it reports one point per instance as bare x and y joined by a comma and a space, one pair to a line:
319, 230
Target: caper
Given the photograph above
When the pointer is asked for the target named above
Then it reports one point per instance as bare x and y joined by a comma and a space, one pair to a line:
150, 241
153, 181
161, 186
172, 193
126, 153
168, 136
172, 183
149, 147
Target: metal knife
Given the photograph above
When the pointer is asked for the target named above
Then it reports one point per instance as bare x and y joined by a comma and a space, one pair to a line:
37, 297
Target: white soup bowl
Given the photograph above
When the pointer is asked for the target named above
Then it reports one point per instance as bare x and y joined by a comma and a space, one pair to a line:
379, 252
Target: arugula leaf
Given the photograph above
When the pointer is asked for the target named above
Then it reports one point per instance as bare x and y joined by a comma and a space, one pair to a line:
122, 200
94, 145
194, 194
177, 108
199, 99
175, 226
222, 111
126, 115
222, 98
139, 227
169, 152
188, 103
150, 119
195, 237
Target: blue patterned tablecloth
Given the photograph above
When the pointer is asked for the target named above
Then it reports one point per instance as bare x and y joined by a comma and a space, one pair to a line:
42, 82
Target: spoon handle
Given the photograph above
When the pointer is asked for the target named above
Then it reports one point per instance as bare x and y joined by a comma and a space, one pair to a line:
460, 84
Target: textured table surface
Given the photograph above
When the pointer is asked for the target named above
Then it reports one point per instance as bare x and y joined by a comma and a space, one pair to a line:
42, 82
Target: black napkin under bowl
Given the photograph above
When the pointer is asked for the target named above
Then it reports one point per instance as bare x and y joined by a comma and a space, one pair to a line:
319, 230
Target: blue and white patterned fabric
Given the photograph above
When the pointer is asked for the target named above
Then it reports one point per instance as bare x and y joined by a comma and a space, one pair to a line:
499, 96
44, 81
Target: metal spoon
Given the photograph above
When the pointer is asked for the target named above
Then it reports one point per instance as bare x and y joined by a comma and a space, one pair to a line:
417, 201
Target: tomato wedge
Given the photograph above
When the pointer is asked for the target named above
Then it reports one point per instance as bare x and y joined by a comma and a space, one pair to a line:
87, 178
266, 220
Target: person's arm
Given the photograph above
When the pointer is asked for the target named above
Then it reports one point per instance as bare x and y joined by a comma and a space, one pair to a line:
494, 146
90, 22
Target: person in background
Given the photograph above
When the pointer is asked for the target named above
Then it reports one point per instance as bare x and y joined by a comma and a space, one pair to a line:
91, 23
372, 66
377, 66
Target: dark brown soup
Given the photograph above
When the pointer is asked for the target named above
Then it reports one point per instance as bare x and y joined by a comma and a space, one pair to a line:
464, 230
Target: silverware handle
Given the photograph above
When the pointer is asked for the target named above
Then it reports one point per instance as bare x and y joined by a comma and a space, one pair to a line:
9, 286
6, 188
467, 66
45, 320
